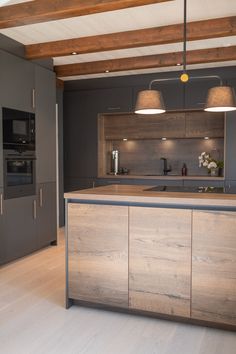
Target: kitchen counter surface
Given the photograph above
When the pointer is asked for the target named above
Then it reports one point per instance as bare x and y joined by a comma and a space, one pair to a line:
140, 194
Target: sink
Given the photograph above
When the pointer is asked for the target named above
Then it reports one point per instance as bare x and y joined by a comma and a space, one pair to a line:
188, 189
170, 174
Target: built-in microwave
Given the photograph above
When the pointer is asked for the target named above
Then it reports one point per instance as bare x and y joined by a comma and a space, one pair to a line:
18, 130
19, 174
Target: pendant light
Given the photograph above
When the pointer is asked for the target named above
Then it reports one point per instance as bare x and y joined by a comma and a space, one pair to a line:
219, 98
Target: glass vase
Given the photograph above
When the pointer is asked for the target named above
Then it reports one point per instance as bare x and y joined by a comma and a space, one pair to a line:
214, 172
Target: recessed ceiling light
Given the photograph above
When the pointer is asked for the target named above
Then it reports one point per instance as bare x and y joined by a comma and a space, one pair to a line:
74, 53
164, 139
206, 137
125, 139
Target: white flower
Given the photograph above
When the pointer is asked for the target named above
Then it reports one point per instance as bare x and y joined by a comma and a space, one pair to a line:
205, 164
212, 165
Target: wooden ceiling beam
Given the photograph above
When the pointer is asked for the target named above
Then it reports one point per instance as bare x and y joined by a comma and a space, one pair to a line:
221, 27
49, 10
147, 62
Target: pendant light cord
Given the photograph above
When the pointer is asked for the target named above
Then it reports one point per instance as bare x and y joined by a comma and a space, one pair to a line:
185, 36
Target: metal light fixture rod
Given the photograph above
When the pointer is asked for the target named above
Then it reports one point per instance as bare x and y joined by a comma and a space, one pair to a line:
191, 78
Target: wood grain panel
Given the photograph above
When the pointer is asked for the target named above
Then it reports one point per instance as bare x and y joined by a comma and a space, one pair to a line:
147, 62
132, 126
213, 28
160, 260
200, 124
98, 253
44, 10
214, 266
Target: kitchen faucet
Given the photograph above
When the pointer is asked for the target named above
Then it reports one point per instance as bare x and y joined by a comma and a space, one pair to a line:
165, 169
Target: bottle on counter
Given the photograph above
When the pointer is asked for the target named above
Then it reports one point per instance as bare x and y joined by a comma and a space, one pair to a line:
184, 170
115, 161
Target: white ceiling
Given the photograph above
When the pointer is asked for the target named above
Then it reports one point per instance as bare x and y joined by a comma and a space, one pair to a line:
127, 19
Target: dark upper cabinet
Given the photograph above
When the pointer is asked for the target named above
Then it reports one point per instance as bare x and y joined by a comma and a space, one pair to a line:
2, 237
46, 214
230, 146
19, 236
17, 82
205, 124
1, 151
45, 124
114, 100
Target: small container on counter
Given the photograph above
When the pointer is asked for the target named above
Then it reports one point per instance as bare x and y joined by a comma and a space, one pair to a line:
184, 170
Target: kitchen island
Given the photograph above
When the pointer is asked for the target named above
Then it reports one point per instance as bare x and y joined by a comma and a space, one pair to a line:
168, 254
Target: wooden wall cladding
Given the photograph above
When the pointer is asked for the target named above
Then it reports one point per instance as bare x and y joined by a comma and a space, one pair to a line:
201, 124
214, 266
98, 253
160, 260
169, 125
135, 126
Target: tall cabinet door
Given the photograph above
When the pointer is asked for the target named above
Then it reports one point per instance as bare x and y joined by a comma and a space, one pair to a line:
214, 266
98, 253
17, 82
45, 100
46, 216
19, 227
2, 238
1, 150
160, 260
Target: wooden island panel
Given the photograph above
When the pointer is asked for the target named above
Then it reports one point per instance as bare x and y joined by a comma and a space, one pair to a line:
160, 260
98, 253
214, 266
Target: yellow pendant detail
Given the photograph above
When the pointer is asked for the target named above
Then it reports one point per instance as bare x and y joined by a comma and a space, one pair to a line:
184, 77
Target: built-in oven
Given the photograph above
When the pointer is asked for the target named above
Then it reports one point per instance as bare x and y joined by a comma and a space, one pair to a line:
19, 174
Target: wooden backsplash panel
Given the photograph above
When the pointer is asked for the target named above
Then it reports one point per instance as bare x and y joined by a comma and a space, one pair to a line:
142, 157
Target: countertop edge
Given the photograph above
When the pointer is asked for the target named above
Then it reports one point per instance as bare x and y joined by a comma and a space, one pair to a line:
137, 194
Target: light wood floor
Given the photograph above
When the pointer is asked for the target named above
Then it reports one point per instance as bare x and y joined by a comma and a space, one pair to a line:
33, 319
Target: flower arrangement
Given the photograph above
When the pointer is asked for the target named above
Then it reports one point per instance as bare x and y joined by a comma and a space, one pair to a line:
207, 161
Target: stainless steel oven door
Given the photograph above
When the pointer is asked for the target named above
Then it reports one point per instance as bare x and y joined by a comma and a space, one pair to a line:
19, 176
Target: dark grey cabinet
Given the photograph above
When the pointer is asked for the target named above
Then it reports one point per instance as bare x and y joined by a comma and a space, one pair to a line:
81, 109
46, 214
2, 238
1, 150
19, 224
17, 82
230, 146
45, 111
117, 99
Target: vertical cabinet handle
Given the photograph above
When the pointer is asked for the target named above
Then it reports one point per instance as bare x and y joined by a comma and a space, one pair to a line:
33, 98
1, 204
34, 210
40, 197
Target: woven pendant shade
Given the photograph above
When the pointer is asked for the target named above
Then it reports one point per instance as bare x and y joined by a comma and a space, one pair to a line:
149, 102
220, 99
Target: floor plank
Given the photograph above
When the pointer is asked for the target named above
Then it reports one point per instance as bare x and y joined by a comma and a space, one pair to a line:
33, 319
